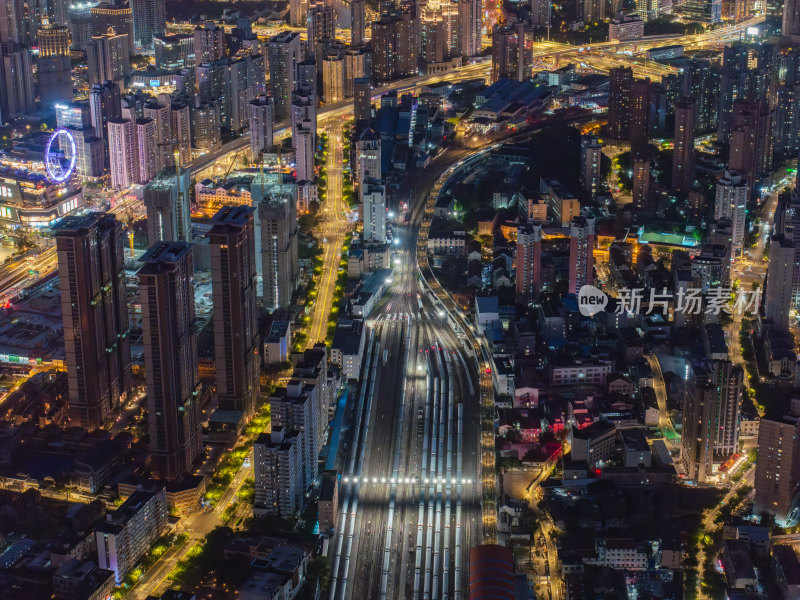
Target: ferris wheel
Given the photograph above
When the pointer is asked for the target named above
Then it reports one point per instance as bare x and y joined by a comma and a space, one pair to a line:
59, 169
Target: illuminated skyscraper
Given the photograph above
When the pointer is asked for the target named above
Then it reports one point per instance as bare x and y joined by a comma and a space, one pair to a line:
393, 47
683, 153
297, 12
278, 216
166, 288
592, 10
581, 253
303, 142
149, 18
297, 407
147, 149
333, 78
174, 52
233, 275
791, 18
591, 156
209, 43
438, 30
123, 153
118, 18
89, 154
641, 183
107, 59
529, 262
166, 199
639, 125
278, 472
619, 102
105, 103
505, 52
159, 110
751, 139
540, 13
731, 203
703, 11
181, 131
712, 410
358, 23
699, 421
780, 282
80, 25
368, 156
778, 461
53, 39
53, 67
357, 65
787, 122
304, 124
285, 51
698, 84
748, 74
205, 129
262, 118
373, 203
321, 25
362, 99
95, 314
17, 95
727, 380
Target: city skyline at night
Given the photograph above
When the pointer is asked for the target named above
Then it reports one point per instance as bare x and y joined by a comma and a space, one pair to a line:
400, 299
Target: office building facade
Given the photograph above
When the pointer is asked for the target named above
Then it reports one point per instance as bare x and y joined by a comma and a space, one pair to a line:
166, 199
285, 52
683, 153
166, 291
149, 18
779, 287
581, 257
296, 407
94, 311
777, 464
619, 102
262, 118
529, 262
373, 207
278, 218
128, 532
123, 153
591, 157
233, 276
277, 473
731, 203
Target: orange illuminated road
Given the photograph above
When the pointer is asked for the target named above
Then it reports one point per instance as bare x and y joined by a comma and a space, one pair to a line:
333, 228
156, 580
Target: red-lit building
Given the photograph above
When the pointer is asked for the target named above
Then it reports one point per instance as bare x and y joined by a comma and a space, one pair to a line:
491, 573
